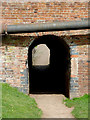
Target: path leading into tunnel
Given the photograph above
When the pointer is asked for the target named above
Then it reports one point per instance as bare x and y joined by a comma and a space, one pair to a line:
52, 105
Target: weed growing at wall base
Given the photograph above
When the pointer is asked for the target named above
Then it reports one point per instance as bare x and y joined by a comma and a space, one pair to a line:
18, 105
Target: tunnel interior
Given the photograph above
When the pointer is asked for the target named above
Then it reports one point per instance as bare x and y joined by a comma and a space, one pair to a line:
54, 77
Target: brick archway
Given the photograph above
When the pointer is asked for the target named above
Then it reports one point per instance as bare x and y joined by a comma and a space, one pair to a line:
56, 78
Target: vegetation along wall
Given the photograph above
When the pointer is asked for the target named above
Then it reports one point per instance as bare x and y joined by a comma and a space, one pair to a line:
16, 47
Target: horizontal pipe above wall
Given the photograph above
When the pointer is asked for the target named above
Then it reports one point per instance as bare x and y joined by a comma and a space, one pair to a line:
42, 27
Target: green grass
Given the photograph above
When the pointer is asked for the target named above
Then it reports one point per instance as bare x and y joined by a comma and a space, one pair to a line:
15, 104
80, 106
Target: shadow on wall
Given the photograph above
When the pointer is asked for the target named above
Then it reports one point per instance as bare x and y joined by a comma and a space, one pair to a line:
51, 78
24, 41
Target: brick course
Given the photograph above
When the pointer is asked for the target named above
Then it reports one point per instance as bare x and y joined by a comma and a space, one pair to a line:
36, 12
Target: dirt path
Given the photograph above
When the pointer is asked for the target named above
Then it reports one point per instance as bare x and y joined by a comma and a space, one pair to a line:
52, 106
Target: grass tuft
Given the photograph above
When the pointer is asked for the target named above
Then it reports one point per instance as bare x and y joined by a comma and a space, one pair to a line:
80, 106
16, 104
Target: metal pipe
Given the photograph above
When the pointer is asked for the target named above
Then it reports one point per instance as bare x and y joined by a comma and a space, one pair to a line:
42, 27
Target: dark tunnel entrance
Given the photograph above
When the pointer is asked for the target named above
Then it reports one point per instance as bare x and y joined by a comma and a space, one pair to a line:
53, 78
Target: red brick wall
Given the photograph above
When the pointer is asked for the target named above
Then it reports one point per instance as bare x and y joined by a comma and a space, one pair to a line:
15, 53
15, 48
37, 12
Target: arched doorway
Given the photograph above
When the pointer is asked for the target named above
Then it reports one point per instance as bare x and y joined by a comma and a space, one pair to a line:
53, 78
40, 55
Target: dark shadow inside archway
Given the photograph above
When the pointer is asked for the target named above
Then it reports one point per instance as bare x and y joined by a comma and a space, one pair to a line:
55, 77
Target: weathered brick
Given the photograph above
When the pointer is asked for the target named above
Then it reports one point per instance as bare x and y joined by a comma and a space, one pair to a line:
16, 53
